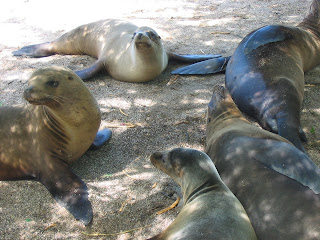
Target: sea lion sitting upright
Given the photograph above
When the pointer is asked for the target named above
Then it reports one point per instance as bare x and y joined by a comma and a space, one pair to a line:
211, 211
254, 164
41, 139
265, 75
127, 52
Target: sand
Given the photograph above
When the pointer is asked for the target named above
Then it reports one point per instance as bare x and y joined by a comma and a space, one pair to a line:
125, 189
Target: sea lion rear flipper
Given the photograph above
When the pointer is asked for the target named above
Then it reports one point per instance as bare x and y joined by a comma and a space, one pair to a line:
101, 138
91, 71
189, 58
68, 190
290, 133
285, 159
302, 135
36, 50
210, 66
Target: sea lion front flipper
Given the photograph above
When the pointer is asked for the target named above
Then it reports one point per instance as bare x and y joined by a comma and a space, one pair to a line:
36, 50
101, 138
263, 36
189, 58
67, 189
210, 66
91, 71
285, 159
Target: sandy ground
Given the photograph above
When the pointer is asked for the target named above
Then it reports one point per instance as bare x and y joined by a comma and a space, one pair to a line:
126, 191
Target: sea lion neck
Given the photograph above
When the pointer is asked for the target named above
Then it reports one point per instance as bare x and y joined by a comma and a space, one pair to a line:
57, 131
206, 179
225, 118
190, 193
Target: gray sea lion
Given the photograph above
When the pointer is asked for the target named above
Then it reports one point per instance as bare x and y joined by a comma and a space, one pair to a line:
265, 75
39, 140
278, 206
211, 211
127, 52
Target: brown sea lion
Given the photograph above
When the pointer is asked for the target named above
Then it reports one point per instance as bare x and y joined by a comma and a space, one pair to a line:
211, 211
127, 52
265, 75
41, 139
251, 161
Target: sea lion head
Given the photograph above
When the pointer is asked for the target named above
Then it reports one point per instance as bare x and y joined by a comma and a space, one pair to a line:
53, 86
146, 38
180, 162
221, 106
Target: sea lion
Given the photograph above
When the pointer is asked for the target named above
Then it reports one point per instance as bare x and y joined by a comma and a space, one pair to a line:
278, 206
265, 75
210, 210
127, 52
41, 139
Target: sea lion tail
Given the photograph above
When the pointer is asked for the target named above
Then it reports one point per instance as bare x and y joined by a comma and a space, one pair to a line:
36, 50
214, 65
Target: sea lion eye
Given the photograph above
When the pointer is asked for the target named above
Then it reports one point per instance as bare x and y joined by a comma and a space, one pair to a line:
209, 120
70, 78
53, 83
152, 35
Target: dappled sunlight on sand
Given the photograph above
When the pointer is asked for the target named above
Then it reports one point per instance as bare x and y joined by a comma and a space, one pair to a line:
165, 113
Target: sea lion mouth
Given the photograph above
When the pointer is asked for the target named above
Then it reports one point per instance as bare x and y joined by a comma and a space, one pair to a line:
142, 40
35, 97
43, 101
143, 45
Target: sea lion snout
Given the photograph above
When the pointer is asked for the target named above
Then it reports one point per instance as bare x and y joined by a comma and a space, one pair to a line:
31, 95
165, 162
218, 95
221, 104
156, 158
142, 40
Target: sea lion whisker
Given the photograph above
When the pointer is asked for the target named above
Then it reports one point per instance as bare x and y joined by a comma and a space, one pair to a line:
59, 99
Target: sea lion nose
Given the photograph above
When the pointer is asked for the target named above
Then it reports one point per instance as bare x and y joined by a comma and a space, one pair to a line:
156, 157
139, 35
